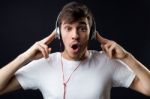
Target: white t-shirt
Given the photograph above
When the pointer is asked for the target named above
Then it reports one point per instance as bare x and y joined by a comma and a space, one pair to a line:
93, 79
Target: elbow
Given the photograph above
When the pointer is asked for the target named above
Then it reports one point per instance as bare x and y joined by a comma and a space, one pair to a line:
1, 89
147, 92
1, 86
147, 89
148, 95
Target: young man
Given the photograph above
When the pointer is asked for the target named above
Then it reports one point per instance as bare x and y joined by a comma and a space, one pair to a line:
76, 72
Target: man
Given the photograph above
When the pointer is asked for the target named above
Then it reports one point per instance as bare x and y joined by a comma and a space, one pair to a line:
76, 72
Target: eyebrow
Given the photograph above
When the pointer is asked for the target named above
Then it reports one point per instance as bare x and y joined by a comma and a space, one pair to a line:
80, 23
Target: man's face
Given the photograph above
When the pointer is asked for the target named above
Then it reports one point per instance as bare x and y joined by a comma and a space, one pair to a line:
75, 37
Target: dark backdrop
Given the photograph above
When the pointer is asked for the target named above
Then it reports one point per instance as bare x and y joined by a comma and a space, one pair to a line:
24, 22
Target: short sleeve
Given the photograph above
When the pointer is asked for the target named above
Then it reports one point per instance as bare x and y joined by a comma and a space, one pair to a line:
122, 75
28, 75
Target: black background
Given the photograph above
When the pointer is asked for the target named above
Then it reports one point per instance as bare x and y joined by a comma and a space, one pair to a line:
23, 22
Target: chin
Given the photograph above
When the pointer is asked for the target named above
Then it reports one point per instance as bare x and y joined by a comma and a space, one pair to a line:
77, 56
74, 55
70, 54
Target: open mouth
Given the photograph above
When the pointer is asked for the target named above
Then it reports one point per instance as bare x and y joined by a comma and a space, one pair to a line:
75, 47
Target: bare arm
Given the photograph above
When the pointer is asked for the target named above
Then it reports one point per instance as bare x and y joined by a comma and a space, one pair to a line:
40, 49
8, 71
141, 82
13, 85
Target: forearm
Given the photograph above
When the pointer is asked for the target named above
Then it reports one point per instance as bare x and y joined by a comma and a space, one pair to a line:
139, 69
7, 72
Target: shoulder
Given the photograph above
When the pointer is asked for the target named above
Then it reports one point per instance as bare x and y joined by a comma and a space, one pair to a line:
40, 63
101, 58
100, 55
53, 57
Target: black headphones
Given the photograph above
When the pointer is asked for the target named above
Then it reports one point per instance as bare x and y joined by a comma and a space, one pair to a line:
92, 32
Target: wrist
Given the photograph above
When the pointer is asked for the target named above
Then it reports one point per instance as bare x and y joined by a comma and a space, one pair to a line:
24, 59
129, 59
126, 56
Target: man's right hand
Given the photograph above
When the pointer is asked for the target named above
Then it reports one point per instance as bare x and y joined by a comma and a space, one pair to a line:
8, 81
39, 49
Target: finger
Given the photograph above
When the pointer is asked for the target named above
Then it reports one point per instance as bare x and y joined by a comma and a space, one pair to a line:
111, 50
45, 47
106, 48
42, 50
102, 46
49, 50
49, 38
101, 39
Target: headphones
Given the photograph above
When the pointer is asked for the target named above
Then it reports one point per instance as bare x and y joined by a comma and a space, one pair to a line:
92, 31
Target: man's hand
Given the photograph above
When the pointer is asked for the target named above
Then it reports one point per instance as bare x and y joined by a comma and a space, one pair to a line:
112, 49
39, 49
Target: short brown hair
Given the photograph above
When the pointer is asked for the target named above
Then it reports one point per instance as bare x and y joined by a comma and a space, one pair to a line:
74, 11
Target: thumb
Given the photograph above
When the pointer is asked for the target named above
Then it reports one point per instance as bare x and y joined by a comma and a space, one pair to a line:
49, 50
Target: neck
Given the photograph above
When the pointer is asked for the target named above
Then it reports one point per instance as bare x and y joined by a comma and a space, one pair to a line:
83, 55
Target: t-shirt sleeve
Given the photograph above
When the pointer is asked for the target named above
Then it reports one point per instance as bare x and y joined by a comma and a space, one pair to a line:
122, 75
28, 75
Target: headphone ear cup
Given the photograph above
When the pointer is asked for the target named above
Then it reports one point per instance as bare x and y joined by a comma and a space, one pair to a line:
93, 30
58, 32
93, 35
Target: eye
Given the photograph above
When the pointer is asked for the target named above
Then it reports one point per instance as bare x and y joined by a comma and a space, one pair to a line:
83, 29
68, 28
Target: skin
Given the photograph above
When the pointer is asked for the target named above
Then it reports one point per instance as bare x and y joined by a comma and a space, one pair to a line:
8, 81
141, 82
76, 32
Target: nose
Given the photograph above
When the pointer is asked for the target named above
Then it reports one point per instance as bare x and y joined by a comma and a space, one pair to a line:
75, 35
